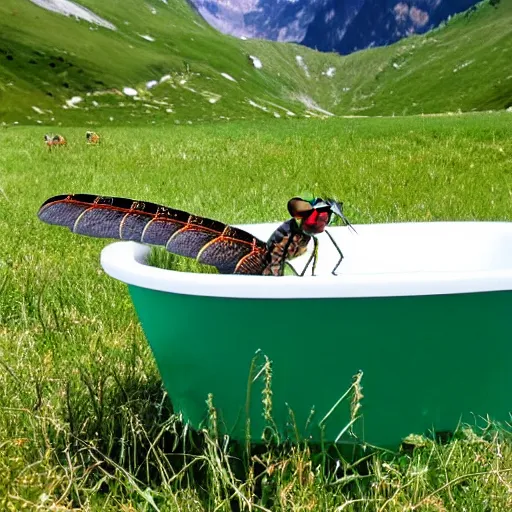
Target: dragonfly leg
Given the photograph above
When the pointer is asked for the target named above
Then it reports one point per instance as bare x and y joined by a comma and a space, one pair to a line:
315, 254
313, 258
339, 251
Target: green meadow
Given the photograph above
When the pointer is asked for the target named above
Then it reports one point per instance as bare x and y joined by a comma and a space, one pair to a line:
85, 423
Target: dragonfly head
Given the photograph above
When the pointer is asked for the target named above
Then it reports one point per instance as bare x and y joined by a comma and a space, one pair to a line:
336, 208
313, 216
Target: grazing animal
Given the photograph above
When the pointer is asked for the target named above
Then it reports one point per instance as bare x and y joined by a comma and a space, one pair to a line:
232, 250
92, 138
54, 140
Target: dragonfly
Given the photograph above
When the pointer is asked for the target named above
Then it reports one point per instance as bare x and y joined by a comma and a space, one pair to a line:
230, 249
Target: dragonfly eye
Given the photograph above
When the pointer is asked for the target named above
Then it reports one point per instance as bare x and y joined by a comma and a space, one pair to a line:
297, 207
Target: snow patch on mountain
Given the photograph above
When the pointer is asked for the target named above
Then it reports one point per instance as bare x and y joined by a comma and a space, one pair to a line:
256, 62
254, 104
303, 65
311, 104
147, 38
68, 8
228, 77
130, 91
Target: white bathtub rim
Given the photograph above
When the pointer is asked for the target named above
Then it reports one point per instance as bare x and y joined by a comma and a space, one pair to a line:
125, 261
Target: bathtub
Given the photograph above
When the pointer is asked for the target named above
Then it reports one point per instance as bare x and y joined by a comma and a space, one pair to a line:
423, 311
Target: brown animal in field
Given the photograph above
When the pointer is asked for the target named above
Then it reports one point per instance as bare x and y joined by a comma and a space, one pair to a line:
54, 140
92, 138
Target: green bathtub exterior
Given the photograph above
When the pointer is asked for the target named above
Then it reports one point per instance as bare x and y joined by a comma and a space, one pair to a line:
428, 362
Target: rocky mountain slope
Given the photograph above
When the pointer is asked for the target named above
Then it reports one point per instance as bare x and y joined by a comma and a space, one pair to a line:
329, 25
372, 23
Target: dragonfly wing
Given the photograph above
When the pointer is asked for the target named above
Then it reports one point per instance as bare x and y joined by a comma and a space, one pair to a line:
231, 250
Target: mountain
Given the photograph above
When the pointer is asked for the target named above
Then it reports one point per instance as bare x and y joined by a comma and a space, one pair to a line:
159, 62
372, 23
329, 25
276, 20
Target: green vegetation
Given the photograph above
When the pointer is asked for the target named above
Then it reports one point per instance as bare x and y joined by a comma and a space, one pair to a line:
84, 422
46, 59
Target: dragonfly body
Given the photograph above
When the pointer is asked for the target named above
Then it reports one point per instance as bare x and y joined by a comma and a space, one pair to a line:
232, 250
287, 242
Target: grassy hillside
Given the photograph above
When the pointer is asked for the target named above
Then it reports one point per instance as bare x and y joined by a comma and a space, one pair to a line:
464, 65
47, 58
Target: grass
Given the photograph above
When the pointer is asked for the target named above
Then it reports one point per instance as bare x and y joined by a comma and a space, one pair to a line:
85, 423
46, 58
